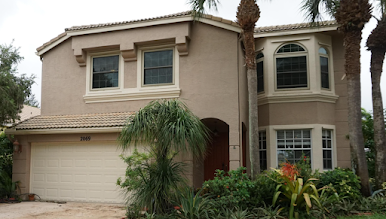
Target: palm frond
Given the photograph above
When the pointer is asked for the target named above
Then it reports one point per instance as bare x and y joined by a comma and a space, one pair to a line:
199, 7
313, 9
166, 125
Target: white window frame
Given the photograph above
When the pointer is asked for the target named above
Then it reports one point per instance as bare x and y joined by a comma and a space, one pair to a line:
288, 55
89, 72
140, 68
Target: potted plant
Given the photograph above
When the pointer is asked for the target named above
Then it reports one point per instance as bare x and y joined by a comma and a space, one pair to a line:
31, 197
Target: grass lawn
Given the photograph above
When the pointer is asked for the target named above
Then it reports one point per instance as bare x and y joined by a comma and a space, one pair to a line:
375, 216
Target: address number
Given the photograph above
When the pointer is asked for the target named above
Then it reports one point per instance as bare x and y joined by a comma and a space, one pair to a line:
85, 138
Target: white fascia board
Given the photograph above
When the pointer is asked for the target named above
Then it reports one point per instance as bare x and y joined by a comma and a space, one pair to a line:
137, 25
294, 32
63, 131
46, 49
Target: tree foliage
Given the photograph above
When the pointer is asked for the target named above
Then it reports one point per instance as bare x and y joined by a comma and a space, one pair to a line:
165, 127
14, 88
368, 134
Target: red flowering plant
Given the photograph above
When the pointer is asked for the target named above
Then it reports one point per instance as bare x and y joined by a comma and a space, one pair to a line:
293, 193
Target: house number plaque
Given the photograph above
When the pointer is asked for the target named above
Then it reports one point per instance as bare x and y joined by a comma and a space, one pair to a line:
85, 138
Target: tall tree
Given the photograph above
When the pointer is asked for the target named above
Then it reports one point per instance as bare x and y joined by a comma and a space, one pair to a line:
248, 13
351, 15
14, 89
377, 45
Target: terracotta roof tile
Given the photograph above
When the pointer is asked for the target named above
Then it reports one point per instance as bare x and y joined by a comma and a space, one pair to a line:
92, 26
299, 26
97, 120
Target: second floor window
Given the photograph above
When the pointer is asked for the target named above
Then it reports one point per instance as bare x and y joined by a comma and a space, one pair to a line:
291, 67
158, 67
105, 72
260, 72
325, 82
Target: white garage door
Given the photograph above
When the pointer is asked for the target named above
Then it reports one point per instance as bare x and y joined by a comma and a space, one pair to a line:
85, 172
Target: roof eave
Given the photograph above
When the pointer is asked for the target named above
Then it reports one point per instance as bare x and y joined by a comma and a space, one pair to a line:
13, 131
295, 32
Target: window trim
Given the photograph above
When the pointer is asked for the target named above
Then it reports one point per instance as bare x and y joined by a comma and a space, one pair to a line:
287, 55
89, 72
141, 69
329, 68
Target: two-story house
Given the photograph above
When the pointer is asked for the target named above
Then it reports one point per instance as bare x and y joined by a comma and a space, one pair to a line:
95, 76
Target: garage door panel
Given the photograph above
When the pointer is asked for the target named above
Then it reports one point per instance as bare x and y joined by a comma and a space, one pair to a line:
77, 171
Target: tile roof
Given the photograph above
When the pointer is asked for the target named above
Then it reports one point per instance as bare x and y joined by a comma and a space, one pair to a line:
97, 120
187, 14
298, 26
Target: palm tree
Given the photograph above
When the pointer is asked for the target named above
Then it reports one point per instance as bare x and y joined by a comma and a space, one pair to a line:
248, 13
167, 127
377, 45
351, 16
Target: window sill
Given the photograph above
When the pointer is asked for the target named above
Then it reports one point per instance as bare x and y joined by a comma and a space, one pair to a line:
131, 94
297, 97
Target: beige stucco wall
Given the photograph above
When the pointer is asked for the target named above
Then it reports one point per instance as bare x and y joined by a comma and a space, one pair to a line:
208, 79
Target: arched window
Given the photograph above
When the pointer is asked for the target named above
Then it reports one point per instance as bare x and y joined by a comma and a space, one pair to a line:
291, 67
260, 72
324, 73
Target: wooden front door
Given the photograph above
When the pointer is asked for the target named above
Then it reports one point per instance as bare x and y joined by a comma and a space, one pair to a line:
218, 155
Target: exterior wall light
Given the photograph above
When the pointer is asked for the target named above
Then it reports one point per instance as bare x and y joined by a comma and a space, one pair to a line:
16, 147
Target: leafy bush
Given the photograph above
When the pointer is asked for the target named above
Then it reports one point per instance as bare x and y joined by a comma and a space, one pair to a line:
344, 181
232, 189
295, 195
193, 206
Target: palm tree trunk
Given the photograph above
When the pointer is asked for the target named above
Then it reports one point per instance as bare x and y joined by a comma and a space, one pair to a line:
352, 40
254, 156
377, 57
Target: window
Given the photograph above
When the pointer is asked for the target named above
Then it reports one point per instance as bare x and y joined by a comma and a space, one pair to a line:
291, 67
327, 149
105, 71
158, 67
291, 144
260, 72
325, 82
263, 150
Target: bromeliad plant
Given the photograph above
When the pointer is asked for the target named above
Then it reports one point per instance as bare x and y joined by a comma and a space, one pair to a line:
293, 193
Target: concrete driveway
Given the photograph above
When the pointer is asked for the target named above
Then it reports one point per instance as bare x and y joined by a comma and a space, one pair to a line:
45, 210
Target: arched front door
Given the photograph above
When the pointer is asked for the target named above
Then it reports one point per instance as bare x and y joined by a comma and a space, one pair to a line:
218, 149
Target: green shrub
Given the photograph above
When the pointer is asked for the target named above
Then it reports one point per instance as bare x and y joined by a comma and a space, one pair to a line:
193, 206
344, 181
232, 189
236, 189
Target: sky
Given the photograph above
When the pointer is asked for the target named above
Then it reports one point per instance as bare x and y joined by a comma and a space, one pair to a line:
31, 23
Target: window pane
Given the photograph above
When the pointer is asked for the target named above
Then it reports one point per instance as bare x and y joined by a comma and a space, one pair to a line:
105, 72
260, 76
280, 134
290, 48
158, 67
323, 51
291, 72
324, 72
306, 134
293, 140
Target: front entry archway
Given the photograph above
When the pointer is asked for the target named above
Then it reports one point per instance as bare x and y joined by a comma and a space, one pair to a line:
218, 149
